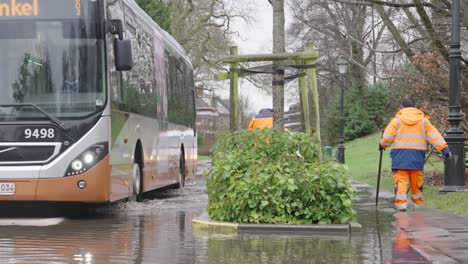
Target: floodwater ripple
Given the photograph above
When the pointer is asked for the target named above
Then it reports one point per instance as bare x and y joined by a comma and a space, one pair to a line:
159, 230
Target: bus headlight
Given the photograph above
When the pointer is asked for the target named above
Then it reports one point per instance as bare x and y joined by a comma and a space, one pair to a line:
87, 159
77, 165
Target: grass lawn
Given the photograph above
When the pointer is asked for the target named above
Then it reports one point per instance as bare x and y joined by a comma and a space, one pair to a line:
362, 159
203, 157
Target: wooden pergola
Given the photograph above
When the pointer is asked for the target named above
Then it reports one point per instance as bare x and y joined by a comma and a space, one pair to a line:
304, 62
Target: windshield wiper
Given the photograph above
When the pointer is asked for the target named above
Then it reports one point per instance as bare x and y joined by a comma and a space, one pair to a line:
49, 115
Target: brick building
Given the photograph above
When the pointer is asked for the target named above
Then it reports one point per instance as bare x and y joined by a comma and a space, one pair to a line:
212, 118
292, 118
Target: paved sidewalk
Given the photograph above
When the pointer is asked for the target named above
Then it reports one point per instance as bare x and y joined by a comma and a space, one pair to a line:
439, 236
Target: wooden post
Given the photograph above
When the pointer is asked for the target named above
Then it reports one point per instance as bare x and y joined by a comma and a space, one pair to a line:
303, 97
234, 92
234, 59
313, 89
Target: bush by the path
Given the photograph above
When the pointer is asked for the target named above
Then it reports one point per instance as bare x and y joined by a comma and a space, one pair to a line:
276, 177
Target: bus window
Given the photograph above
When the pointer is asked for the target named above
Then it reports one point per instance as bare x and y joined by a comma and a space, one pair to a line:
62, 75
18, 30
118, 96
140, 83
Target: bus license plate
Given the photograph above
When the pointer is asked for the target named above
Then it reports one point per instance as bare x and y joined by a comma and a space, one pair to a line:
7, 188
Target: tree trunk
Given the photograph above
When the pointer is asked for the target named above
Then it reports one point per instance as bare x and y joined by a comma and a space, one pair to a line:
356, 72
278, 78
357, 30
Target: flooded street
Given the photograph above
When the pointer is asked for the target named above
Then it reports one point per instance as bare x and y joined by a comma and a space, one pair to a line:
159, 230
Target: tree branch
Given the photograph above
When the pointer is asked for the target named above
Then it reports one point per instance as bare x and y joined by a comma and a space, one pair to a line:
395, 33
430, 29
390, 4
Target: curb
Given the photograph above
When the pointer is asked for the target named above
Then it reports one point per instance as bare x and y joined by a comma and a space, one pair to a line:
280, 228
203, 223
215, 224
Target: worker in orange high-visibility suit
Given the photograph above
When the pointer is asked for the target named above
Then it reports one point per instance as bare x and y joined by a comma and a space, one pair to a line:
264, 119
408, 134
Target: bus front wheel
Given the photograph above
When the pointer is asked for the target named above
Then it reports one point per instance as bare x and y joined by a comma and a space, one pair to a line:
136, 182
181, 171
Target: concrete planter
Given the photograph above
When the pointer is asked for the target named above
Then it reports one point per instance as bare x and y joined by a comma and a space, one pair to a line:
204, 224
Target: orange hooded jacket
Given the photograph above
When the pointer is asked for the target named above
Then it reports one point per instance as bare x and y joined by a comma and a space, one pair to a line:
408, 133
264, 119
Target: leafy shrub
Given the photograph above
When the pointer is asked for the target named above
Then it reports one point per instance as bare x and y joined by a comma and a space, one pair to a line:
364, 113
276, 177
382, 104
358, 122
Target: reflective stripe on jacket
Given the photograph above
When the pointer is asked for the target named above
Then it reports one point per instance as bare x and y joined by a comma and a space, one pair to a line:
408, 134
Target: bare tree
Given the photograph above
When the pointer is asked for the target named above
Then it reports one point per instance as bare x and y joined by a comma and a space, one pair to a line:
430, 16
203, 28
432, 23
337, 28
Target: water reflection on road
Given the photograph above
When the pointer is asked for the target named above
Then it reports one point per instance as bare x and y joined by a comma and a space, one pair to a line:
153, 231
159, 230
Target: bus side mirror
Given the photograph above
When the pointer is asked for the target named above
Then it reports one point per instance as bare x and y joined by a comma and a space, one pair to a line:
122, 47
123, 54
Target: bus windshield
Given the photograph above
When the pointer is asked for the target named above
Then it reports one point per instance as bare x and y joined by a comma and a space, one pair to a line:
55, 64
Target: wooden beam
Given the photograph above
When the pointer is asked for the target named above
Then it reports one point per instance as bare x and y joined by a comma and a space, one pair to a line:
222, 76
311, 56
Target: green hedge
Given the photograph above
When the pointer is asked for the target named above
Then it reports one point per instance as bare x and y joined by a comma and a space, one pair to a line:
364, 113
276, 177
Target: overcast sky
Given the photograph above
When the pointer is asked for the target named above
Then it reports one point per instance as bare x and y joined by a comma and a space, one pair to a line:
255, 38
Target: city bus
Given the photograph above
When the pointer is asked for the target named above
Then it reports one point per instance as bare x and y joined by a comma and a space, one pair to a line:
97, 103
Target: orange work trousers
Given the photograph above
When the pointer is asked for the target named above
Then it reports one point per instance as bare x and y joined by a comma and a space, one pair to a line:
402, 178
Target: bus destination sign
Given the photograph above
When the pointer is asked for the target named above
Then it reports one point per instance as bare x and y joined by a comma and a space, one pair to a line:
41, 9
18, 9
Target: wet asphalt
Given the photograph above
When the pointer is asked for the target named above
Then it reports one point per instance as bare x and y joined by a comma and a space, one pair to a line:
159, 230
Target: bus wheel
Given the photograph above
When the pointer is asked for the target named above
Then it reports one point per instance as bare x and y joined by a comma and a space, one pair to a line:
181, 171
136, 182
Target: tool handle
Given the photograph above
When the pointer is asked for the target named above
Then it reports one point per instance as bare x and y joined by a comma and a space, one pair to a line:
378, 179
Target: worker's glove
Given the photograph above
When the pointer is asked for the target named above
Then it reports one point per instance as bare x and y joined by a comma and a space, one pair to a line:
381, 148
448, 156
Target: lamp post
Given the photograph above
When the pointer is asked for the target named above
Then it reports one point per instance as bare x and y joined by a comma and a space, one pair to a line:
454, 171
342, 66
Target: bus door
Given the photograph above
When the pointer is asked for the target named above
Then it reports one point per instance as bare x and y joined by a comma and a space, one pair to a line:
121, 156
